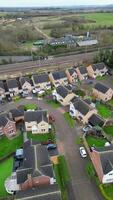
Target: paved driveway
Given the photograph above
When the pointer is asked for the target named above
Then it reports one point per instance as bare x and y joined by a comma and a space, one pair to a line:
80, 188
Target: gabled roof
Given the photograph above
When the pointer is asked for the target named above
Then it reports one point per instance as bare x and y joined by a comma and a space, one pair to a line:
59, 75
96, 120
36, 162
25, 79
17, 113
106, 158
101, 88
3, 121
99, 66
13, 83
2, 85
81, 106
62, 91
38, 116
41, 78
82, 70
71, 71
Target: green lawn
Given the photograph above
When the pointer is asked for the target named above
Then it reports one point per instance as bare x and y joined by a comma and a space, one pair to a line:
69, 120
104, 111
5, 171
41, 137
30, 107
62, 176
53, 103
110, 102
95, 141
9, 146
108, 130
99, 78
107, 191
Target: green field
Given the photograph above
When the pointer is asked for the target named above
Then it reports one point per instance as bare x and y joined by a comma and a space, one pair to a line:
104, 111
5, 171
7, 146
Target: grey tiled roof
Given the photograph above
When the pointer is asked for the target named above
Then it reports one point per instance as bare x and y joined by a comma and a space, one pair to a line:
59, 75
81, 106
41, 78
71, 71
25, 79
3, 121
99, 66
1, 85
37, 116
83, 70
17, 113
95, 120
62, 91
102, 88
13, 83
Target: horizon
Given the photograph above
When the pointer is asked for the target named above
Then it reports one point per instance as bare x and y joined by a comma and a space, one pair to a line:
50, 3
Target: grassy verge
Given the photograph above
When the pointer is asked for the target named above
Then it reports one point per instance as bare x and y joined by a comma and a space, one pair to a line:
30, 107
104, 111
108, 130
95, 141
53, 103
62, 176
6, 170
7, 146
107, 191
69, 120
16, 98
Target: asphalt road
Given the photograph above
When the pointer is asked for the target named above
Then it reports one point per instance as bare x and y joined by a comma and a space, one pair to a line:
57, 61
80, 188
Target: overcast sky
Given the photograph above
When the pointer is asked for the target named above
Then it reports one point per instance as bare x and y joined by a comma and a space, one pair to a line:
27, 3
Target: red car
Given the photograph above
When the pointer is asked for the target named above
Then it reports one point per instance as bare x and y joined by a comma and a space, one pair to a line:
51, 118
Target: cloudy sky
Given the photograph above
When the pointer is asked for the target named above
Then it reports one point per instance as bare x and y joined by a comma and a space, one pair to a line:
16, 3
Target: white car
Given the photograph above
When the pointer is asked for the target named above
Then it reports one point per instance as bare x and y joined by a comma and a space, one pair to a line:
83, 152
87, 128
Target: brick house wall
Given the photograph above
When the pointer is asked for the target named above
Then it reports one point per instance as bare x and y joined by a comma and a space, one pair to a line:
10, 129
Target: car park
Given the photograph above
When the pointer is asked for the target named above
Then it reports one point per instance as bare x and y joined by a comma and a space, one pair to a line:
83, 152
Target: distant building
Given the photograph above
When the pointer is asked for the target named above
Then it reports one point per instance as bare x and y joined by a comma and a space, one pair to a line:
72, 75
26, 84
41, 82
13, 87
2, 90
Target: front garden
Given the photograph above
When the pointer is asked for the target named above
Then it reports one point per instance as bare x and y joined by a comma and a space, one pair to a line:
70, 121
7, 147
108, 130
95, 141
30, 107
6, 167
103, 111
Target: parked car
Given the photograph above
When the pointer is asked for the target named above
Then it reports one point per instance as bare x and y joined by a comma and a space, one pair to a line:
83, 152
51, 146
87, 128
51, 118
47, 142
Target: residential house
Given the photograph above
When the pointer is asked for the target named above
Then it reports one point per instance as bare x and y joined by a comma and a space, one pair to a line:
34, 177
96, 120
81, 110
102, 159
2, 90
7, 127
41, 82
82, 73
13, 87
58, 78
17, 115
26, 84
36, 121
102, 92
63, 95
98, 69
72, 75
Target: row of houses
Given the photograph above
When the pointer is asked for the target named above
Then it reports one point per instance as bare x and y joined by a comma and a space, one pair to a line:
42, 82
36, 122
